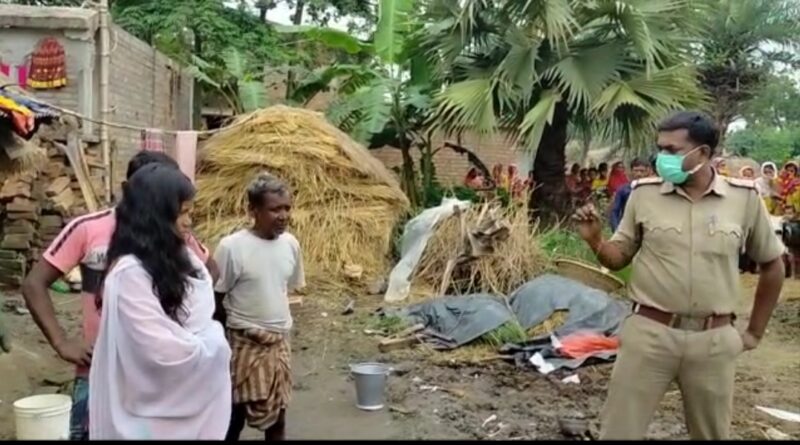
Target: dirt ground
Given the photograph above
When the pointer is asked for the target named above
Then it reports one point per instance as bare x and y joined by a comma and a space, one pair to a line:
520, 404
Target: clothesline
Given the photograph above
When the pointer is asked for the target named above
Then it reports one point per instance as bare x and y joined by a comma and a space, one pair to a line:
137, 128
127, 126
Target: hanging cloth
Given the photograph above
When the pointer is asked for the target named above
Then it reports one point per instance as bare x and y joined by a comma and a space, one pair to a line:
22, 118
48, 68
22, 76
186, 152
153, 140
5, 70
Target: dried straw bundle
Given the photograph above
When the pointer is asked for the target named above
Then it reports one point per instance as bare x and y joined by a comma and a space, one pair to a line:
513, 262
346, 203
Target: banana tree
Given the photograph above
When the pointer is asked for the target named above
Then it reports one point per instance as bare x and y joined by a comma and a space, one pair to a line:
386, 99
531, 68
239, 81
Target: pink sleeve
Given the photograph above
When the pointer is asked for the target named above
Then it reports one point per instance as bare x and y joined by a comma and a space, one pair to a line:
67, 250
198, 248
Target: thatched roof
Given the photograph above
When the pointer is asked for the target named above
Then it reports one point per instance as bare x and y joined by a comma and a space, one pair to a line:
346, 203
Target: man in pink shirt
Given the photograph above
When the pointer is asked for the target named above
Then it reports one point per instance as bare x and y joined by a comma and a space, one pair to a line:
83, 243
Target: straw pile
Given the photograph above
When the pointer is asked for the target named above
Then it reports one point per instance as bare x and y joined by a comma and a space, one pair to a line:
514, 261
346, 203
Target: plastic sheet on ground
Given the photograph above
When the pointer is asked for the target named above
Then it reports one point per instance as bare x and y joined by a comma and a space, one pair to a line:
589, 309
415, 237
455, 321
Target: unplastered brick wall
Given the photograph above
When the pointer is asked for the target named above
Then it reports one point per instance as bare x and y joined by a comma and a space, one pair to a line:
147, 89
451, 167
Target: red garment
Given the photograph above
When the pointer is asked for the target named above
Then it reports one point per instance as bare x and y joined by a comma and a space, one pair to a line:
583, 344
616, 180
153, 140
573, 183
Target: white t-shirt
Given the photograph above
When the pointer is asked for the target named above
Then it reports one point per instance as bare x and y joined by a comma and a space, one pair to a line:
257, 276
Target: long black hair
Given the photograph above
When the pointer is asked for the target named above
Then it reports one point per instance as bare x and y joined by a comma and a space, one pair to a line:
146, 228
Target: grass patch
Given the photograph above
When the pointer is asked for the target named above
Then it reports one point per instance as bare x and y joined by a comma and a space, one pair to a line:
560, 242
390, 324
509, 332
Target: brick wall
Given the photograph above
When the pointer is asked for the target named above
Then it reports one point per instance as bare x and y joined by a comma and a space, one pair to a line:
147, 89
452, 167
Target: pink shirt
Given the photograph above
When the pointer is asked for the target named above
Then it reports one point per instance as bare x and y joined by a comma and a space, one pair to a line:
84, 242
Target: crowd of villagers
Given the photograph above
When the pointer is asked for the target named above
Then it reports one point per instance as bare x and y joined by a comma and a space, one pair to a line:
609, 188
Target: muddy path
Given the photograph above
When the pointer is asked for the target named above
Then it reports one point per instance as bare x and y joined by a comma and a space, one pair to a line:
433, 398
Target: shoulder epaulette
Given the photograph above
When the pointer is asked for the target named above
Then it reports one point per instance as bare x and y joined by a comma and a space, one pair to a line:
655, 180
740, 182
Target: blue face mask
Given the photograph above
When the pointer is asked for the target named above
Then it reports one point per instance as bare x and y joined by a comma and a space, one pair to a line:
670, 167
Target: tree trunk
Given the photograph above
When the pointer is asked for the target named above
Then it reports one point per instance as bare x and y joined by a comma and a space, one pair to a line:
297, 19
409, 180
586, 136
550, 201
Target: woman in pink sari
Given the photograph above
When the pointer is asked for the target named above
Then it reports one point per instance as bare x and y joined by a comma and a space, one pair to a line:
161, 364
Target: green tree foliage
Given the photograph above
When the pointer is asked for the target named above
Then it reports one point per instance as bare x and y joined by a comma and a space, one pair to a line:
385, 99
744, 41
766, 143
530, 68
776, 104
202, 28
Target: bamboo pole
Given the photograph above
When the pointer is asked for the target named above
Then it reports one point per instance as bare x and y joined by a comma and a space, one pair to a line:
105, 66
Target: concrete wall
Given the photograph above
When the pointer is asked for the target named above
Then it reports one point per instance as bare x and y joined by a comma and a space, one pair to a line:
147, 89
16, 45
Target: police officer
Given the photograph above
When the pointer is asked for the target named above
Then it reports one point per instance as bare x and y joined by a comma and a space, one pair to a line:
683, 232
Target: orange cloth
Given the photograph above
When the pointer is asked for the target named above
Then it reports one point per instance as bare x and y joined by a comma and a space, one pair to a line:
582, 344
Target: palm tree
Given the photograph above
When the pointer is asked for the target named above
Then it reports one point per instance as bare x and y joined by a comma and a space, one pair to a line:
529, 68
745, 39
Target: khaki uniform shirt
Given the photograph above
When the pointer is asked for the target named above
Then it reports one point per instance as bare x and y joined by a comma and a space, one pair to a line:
686, 253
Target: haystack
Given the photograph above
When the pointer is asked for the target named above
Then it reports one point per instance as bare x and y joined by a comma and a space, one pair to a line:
346, 203
514, 260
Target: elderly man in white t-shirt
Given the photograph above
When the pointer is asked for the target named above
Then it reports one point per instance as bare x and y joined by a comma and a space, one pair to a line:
258, 267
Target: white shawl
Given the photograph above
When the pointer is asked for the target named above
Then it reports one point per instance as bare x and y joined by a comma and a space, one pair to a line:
152, 378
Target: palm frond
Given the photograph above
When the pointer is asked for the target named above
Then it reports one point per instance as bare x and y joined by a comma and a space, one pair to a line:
538, 117
467, 105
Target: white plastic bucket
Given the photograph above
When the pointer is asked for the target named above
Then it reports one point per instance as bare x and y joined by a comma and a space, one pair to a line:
370, 379
43, 417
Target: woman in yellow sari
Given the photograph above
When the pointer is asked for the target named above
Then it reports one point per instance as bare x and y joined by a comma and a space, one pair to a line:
789, 189
767, 187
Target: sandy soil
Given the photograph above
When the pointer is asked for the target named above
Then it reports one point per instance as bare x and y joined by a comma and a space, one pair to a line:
524, 404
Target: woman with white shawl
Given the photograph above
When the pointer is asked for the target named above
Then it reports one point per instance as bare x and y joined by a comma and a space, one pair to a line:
767, 186
161, 364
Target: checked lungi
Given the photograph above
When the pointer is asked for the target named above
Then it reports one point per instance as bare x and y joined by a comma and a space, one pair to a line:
262, 377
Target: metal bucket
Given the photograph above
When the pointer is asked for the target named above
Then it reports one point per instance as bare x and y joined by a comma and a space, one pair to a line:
370, 381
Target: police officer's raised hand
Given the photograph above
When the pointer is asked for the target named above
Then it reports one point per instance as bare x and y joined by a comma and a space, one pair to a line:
588, 221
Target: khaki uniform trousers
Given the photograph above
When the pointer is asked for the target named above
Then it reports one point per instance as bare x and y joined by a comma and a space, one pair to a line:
651, 357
